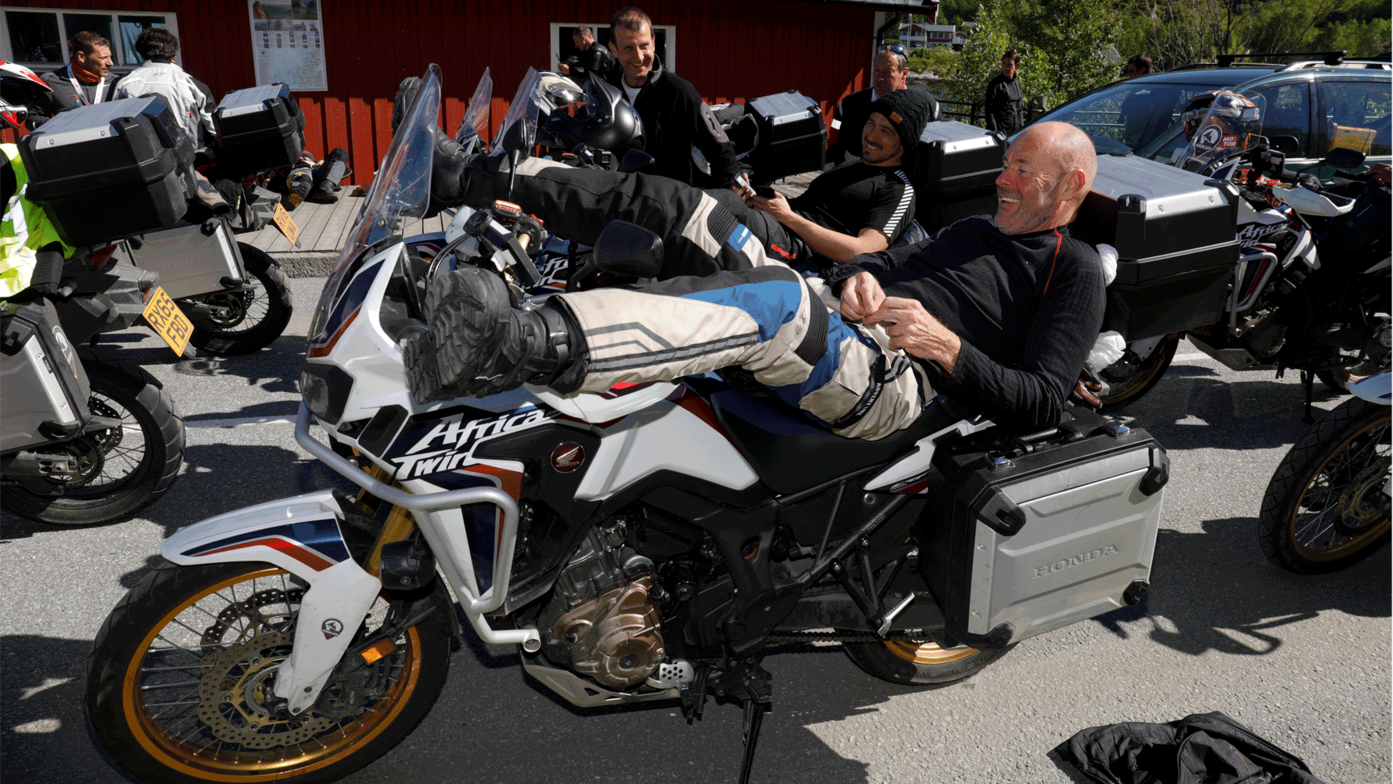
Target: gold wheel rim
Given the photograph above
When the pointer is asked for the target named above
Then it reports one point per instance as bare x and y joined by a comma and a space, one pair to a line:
1376, 433
929, 652
215, 763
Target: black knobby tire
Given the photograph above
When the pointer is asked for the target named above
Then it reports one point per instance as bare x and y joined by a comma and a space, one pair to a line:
137, 464
1325, 509
263, 313
920, 661
178, 638
1132, 376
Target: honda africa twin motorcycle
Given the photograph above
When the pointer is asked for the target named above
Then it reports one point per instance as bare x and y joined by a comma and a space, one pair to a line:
642, 544
84, 438
1295, 301
1327, 506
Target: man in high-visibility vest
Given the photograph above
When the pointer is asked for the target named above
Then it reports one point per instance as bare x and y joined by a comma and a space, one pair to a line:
28, 241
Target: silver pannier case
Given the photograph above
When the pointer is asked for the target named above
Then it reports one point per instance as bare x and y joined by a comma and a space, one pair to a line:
190, 261
43, 388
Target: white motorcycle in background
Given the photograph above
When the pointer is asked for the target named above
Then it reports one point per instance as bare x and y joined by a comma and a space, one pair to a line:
642, 544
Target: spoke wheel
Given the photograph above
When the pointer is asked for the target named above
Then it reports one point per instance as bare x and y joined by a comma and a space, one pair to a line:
1327, 505
180, 682
247, 320
118, 470
1133, 376
920, 661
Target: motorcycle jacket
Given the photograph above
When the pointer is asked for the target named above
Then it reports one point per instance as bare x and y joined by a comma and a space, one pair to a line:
674, 120
24, 229
171, 83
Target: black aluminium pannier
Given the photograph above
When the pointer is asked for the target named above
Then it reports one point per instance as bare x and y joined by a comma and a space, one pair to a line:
1176, 239
110, 170
1039, 534
792, 135
954, 173
260, 128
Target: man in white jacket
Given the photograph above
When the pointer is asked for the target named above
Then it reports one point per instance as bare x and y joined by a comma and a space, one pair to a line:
160, 76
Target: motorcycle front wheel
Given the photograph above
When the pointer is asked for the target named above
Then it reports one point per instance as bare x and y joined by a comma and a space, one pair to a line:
1133, 376
250, 319
920, 661
117, 471
1327, 506
179, 682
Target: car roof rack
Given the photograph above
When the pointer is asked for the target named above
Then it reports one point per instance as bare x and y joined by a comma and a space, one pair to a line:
1198, 66
1329, 58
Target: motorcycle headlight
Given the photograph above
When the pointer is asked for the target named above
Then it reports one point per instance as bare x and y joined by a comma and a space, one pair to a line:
325, 390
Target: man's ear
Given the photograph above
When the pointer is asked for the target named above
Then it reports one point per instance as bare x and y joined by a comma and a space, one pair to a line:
613, 49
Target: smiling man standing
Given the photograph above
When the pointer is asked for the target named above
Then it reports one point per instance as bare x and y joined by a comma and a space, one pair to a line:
675, 119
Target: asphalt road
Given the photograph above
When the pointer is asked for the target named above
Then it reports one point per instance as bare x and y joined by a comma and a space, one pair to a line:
1302, 661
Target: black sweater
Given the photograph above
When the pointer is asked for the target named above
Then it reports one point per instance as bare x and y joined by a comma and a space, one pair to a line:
1027, 309
674, 120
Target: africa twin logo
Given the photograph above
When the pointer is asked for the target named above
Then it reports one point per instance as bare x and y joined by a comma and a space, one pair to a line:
459, 439
1075, 560
1253, 232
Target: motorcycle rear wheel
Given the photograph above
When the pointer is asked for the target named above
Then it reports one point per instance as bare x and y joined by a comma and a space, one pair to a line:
256, 317
129, 467
1324, 509
178, 682
1132, 376
920, 661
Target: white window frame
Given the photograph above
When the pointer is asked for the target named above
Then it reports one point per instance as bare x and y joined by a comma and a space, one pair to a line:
171, 22
669, 62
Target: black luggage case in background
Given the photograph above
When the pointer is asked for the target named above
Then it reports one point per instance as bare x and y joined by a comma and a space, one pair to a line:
1041, 533
954, 173
1176, 239
792, 136
110, 170
259, 128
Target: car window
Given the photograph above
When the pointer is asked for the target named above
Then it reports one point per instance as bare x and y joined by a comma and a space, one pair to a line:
1131, 113
1357, 115
1288, 113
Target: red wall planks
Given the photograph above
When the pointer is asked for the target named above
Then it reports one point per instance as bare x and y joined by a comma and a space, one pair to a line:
729, 49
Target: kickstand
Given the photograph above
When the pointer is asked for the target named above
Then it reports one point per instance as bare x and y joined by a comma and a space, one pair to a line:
754, 719
1308, 381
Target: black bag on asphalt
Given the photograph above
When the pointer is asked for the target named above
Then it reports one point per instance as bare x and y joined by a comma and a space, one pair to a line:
1203, 748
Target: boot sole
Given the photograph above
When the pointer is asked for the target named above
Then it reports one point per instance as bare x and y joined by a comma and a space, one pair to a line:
467, 311
422, 373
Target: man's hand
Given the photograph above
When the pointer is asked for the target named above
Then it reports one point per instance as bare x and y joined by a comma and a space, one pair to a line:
1381, 173
563, 69
914, 330
861, 297
776, 206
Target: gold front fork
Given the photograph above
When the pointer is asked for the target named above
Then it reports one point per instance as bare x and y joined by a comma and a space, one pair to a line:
398, 526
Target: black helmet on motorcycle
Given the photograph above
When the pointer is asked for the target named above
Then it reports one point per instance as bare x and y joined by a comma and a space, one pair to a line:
603, 121
1195, 112
19, 87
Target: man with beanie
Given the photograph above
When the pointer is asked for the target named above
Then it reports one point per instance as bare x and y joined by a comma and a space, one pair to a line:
1000, 313
859, 207
84, 81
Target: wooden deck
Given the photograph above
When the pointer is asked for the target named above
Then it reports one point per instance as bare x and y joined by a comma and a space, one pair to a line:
323, 227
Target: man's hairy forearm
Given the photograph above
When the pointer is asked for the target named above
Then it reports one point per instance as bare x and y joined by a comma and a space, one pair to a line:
834, 245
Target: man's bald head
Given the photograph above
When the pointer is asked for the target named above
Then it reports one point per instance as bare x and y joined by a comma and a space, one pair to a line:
1047, 173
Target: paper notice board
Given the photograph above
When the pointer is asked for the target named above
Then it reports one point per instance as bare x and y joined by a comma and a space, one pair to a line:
288, 43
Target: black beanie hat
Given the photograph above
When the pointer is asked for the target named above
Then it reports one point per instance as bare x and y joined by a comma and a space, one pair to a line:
908, 111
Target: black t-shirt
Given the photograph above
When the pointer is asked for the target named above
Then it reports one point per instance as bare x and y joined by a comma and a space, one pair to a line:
856, 196
1027, 308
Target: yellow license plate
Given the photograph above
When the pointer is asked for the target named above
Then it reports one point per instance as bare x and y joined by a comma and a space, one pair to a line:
168, 321
287, 226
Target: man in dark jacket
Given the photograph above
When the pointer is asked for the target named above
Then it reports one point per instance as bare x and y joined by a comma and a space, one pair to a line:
674, 117
84, 81
1004, 96
889, 70
591, 58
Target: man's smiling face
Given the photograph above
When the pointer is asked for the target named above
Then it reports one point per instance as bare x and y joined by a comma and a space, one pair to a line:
1025, 190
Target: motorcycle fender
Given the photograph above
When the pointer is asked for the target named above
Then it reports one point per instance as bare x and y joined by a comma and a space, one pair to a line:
302, 535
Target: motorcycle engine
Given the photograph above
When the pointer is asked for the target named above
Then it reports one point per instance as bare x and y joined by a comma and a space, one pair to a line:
603, 615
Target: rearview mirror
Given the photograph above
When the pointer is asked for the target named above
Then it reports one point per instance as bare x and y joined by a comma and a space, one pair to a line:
635, 160
1344, 158
627, 249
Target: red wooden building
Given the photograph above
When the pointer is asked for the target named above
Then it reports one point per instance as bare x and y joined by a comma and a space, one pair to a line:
729, 49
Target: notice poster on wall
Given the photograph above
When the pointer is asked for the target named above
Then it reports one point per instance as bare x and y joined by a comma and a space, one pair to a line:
288, 41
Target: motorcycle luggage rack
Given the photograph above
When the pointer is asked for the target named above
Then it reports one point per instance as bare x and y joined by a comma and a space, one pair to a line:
475, 603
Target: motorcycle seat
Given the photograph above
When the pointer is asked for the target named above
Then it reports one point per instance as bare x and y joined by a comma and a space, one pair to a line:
789, 453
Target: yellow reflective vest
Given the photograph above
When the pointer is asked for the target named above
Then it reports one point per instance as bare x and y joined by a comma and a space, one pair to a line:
24, 229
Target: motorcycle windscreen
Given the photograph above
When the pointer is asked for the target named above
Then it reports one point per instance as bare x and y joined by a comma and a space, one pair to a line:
475, 124
400, 191
1232, 126
519, 128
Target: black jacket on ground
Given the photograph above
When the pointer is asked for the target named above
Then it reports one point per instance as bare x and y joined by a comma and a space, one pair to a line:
674, 120
1203, 748
1004, 104
1027, 308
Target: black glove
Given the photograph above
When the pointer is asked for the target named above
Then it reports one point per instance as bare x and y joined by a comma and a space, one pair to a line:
406, 93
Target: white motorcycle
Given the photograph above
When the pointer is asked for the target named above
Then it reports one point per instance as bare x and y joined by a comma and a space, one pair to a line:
643, 544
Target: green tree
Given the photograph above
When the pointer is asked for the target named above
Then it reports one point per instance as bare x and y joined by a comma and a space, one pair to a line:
980, 60
1072, 36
